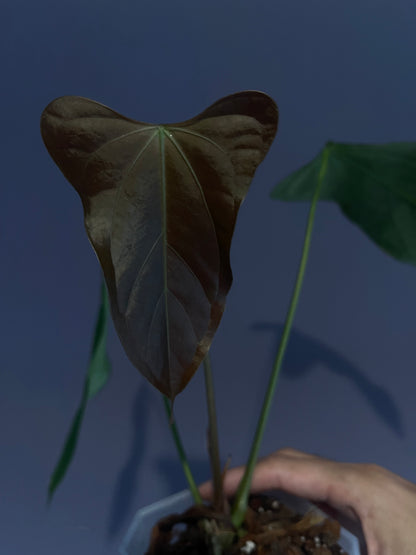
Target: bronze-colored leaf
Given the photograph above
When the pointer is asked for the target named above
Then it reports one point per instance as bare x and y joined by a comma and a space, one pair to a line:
160, 205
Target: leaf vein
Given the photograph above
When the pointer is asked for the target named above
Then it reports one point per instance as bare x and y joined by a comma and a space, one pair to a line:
196, 180
141, 269
120, 186
195, 134
185, 263
123, 136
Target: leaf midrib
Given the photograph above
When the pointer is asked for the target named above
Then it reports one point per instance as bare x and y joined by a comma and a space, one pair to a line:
163, 184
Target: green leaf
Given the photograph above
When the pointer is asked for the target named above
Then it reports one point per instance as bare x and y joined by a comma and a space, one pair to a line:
160, 205
375, 187
97, 376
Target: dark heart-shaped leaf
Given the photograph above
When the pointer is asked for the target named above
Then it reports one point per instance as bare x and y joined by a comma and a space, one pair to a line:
160, 205
374, 185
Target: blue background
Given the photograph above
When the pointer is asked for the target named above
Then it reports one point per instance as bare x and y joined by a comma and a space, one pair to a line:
344, 71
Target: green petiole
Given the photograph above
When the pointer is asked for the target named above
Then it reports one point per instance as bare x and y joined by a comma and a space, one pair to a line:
241, 500
181, 452
213, 443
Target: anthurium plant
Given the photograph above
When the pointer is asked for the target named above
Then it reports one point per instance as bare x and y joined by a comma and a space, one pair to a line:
160, 205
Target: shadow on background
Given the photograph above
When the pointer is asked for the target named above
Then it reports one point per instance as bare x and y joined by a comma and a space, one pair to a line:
127, 481
171, 470
303, 352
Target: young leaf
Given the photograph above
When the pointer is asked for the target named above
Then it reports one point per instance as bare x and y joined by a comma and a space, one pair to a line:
160, 205
375, 187
97, 375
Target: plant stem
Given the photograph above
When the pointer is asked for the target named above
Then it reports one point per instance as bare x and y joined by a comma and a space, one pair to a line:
213, 443
240, 504
181, 452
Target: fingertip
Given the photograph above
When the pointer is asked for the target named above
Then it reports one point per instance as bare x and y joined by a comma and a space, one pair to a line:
290, 452
205, 490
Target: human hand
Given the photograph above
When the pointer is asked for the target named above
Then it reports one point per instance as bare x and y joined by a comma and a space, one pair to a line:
382, 502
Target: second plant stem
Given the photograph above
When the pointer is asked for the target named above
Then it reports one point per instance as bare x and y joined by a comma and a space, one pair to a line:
213, 442
241, 499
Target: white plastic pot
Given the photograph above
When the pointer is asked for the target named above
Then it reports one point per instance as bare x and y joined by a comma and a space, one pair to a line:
138, 536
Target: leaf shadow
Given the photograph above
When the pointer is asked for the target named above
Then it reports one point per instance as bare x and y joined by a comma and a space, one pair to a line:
128, 477
304, 352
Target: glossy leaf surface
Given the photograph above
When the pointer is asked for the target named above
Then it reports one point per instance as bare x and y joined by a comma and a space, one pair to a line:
374, 185
98, 372
160, 205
